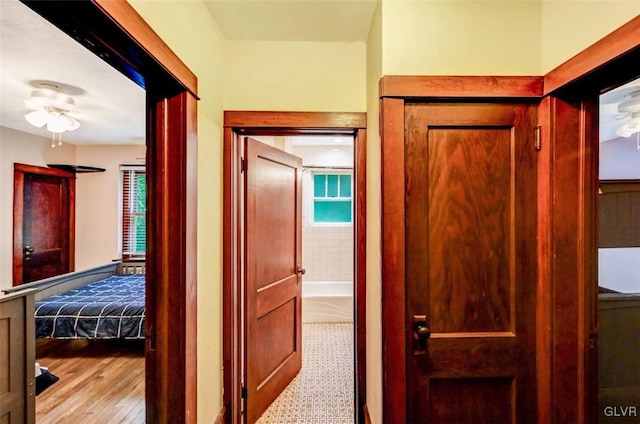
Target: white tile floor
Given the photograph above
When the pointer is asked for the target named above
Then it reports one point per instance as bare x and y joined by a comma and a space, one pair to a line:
322, 393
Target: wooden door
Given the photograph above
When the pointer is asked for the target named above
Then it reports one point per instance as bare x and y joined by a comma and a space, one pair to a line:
43, 223
470, 230
273, 251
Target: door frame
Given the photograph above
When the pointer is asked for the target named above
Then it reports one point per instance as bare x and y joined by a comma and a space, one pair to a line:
114, 31
566, 359
241, 123
19, 170
394, 92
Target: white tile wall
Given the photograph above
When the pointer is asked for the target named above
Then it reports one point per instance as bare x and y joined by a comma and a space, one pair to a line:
327, 253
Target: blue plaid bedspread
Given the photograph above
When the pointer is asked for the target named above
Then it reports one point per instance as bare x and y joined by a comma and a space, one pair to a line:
107, 309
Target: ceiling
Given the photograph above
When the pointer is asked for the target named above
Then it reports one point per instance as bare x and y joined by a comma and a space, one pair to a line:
111, 108
610, 119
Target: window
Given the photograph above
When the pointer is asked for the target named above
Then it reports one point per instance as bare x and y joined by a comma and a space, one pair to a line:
332, 198
134, 212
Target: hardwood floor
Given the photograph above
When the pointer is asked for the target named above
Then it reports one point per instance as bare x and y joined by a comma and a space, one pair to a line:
101, 382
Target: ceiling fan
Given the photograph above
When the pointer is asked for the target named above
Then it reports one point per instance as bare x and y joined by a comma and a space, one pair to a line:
630, 108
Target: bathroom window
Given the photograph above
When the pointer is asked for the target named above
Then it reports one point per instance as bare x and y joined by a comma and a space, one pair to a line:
332, 202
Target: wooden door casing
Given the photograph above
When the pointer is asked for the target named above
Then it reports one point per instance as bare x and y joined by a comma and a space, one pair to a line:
273, 246
470, 261
241, 123
114, 31
44, 221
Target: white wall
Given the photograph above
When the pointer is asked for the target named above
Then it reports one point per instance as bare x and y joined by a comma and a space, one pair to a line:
619, 159
327, 250
28, 149
98, 203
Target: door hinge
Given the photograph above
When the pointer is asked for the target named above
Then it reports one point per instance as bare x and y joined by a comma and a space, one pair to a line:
243, 165
244, 392
538, 135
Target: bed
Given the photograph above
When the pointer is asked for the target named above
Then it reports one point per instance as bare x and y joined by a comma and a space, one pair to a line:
106, 302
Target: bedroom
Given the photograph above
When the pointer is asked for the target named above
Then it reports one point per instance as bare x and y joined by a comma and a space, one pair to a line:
111, 113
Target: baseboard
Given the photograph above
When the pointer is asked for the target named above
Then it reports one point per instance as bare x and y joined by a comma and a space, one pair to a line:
367, 418
220, 418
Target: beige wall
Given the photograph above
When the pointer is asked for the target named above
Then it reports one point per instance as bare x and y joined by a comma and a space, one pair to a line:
98, 205
179, 23
429, 37
295, 76
465, 37
374, 295
568, 27
19, 147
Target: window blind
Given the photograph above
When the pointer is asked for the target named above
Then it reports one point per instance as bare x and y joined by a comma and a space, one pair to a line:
134, 213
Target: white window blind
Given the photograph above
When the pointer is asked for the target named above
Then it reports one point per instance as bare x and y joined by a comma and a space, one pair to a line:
134, 212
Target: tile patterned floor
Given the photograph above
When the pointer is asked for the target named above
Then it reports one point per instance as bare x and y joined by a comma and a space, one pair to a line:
322, 393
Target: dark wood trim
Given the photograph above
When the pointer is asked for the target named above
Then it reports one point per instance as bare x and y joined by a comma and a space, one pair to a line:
394, 390
460, 86
230, 305
283, 123
19, 169
360, 257
41, 170
544, 307
18, 222
568, 262
171, 262
610, 48
137, 29
296, 121
114, 31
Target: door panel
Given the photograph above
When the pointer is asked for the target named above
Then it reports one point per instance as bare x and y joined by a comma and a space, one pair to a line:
43, 223
273, 331
470, 243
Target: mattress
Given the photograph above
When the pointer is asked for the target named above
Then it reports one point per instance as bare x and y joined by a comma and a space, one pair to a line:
106, 309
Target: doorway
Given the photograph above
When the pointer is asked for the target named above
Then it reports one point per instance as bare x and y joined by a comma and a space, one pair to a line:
43, 223
324, 387
115, 32
284, 124
618, 310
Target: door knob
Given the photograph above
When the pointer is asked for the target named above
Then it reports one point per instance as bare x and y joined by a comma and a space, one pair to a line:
300, 270
27, 252
421, 334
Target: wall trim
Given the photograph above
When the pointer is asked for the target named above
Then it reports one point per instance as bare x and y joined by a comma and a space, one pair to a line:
238, 123
460, 86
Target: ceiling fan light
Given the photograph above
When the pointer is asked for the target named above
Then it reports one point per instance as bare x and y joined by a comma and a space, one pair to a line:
37, 118
57, 123
72, 124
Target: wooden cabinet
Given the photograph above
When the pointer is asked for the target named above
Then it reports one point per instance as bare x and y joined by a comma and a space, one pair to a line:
17, 358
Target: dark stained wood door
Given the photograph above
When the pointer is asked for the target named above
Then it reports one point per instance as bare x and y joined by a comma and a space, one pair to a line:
273, 251
43, 218
470, 263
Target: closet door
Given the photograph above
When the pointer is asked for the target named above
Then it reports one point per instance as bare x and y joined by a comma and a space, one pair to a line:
470, 257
